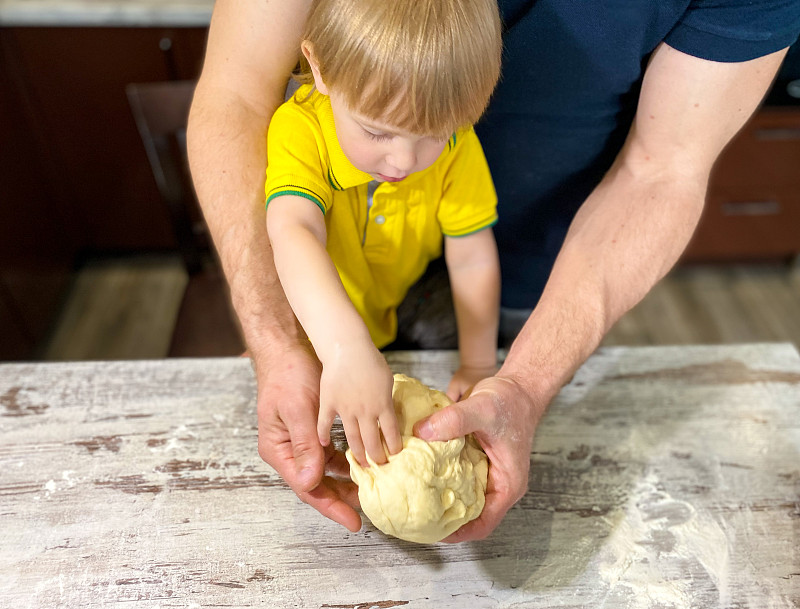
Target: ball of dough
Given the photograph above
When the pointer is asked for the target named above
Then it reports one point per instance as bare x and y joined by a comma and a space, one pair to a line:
429, 489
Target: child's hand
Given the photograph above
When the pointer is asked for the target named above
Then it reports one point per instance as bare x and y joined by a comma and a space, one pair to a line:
358, 386
465, 377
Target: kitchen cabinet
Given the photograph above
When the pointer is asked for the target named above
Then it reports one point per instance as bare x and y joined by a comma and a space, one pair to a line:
74, 173
74, 79
753, 205
37, 244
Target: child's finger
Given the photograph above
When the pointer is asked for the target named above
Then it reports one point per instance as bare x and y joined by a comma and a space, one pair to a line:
353, 434
324, 424
391, 433
371, 436
454, 390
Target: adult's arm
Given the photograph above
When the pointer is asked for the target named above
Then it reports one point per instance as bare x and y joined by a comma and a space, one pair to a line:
252, 48
626, 236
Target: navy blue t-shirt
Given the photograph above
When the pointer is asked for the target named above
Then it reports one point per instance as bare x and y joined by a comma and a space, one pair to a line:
572, 70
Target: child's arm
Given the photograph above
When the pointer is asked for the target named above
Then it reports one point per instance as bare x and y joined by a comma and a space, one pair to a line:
356, 382
474, 270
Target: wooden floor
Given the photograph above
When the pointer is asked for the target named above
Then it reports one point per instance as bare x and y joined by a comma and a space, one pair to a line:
120, 309
716, 305
126, 309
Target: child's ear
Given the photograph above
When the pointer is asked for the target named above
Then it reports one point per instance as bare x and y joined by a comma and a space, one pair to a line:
308, 51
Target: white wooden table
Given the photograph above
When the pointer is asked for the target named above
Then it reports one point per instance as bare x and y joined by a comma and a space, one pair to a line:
661, 477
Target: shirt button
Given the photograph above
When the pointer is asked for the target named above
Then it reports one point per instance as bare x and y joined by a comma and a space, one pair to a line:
380, 219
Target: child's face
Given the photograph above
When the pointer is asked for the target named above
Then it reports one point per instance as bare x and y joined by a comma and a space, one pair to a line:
386, 153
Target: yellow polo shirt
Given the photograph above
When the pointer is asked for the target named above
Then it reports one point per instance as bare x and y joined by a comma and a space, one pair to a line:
380, 249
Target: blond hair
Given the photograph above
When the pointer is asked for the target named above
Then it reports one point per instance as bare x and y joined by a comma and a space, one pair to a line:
424, 66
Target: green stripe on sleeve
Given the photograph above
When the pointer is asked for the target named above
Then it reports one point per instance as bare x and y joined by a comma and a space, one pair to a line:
298, 193
472, 230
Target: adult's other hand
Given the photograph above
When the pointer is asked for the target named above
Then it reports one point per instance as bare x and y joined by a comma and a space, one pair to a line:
288, 403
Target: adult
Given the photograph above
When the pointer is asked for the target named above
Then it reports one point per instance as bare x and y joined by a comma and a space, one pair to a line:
601, 137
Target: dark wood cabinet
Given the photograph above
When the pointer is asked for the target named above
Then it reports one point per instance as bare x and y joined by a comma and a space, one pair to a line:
75, 80
37, 237
74, 173
15, 343
753, 206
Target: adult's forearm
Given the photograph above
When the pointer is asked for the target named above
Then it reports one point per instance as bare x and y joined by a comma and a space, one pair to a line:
227, 152
624, 239
636, 223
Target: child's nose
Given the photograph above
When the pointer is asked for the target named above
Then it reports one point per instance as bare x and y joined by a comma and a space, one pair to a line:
403, 157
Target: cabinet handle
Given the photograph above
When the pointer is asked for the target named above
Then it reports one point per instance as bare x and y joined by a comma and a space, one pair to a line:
793, 88
165, 44
751, 208
778, 133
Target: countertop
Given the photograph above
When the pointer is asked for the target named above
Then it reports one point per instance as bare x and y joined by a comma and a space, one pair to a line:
661, 477
106, 13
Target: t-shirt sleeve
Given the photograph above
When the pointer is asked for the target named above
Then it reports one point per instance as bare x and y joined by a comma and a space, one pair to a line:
736, 30
469, 201
295, 163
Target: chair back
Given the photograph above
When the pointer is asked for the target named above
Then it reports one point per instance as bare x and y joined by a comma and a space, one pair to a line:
161, 112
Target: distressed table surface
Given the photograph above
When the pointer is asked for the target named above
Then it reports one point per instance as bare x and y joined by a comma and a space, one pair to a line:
661, 477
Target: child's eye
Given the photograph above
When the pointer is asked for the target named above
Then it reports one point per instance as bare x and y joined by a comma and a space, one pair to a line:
378, 137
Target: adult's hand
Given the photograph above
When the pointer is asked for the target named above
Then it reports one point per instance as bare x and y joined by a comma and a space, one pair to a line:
288, 403
502, 417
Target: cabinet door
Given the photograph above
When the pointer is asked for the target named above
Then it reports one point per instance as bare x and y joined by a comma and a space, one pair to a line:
16, 343
753, 206
76, 80
37, 238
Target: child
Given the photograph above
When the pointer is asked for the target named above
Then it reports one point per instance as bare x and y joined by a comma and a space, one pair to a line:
373, 164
